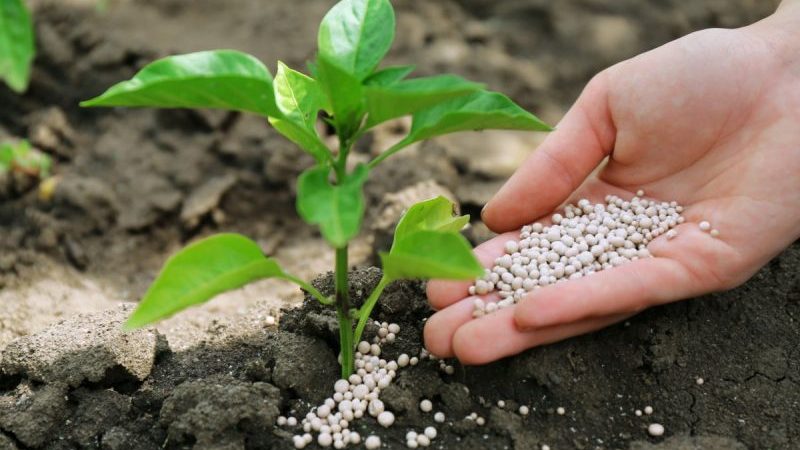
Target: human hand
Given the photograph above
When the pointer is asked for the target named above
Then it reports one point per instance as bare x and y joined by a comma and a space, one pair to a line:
712, 121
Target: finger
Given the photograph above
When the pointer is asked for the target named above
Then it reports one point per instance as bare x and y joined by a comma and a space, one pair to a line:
626, 289
583, 138
496, 336
440, 327
442, 293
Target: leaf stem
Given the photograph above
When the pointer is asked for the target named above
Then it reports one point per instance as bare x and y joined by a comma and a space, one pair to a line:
366, 309
389, 152
308, 288
343, 312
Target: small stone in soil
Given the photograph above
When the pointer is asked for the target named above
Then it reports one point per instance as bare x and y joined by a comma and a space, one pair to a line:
700, 381
524, 410
561, 411
648, 410
439, 417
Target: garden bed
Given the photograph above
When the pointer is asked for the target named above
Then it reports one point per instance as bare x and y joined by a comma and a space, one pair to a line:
135, 185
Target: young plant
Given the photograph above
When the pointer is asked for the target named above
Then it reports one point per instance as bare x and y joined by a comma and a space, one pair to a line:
16, 44
348, 90
23, 159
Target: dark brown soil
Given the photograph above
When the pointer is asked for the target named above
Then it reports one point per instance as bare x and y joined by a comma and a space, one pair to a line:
743, 343
127, 175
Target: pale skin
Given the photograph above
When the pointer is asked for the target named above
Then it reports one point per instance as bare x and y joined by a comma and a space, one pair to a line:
711, 120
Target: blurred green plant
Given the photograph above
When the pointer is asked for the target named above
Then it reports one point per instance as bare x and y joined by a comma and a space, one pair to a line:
16, 44
22, 158
347, 90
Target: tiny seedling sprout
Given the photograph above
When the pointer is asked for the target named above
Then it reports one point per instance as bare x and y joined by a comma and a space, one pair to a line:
24, 159
348, 89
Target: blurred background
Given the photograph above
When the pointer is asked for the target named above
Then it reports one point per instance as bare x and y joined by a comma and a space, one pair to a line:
129, 187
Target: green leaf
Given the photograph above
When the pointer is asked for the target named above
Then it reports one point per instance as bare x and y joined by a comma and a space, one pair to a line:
16, 44
306, 140
427, 244
435, 214
429, 254
388, 76
345, 94
299, 98
222, 79
201, 271
409, 96
356, 34
336, 209
479, 111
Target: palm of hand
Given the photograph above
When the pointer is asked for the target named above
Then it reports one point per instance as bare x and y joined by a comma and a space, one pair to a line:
710, 120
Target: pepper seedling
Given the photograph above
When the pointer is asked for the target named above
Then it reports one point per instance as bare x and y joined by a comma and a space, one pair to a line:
348, 90
16, 44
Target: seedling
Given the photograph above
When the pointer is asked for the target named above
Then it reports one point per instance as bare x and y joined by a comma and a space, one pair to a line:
348, 90
16, 44
22, 158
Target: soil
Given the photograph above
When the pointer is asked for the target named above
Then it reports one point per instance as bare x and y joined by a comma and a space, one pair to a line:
132, 186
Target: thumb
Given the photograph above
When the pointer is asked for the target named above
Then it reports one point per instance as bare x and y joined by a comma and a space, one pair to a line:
583, 138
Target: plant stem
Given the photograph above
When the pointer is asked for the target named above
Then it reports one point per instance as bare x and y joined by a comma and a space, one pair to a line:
343, 312
366, 309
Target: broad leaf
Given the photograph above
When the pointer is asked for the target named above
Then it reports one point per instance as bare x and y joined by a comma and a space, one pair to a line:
431, 254
356, 34
299, 99
479, 111
345, 95
305, 139
201, 271
435, 214
388, 76
336, 209
409, 96
16, 44
222, 79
